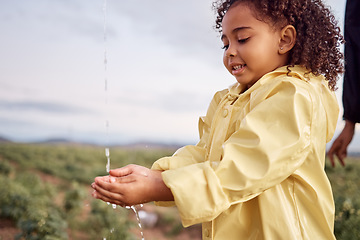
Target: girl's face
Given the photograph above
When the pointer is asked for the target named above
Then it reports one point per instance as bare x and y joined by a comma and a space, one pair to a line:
251, 46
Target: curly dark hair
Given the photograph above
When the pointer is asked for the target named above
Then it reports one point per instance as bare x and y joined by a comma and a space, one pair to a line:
318, 39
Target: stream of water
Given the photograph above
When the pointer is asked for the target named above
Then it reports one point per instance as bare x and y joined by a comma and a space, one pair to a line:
107, 124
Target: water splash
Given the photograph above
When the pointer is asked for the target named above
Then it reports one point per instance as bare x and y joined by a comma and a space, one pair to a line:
107, 150
107, 124
138, 219
107, 154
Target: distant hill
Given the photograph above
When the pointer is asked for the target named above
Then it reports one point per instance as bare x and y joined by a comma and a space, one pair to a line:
134, 145
3, 139
55, 141
354, 154
152, 145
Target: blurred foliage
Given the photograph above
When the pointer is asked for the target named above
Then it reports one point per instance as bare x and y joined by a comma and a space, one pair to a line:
26, 200
345, 182
5, 168
45, 190
78, 163
58, 209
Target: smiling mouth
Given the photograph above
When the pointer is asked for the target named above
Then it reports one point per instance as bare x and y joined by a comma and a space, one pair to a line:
237, 67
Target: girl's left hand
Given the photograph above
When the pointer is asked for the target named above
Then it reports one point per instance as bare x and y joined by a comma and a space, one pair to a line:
131, 185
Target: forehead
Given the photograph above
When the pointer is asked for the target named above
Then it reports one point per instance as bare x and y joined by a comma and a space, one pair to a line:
241, 16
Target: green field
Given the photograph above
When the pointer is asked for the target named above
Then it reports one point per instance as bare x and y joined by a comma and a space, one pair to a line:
45, 193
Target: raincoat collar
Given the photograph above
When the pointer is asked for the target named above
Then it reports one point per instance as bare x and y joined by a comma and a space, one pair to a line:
328, 99
297, 71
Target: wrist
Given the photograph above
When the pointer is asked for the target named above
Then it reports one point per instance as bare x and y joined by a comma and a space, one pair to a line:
161, 191
350, 125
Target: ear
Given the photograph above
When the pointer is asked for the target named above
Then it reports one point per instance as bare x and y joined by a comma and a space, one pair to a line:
287, 39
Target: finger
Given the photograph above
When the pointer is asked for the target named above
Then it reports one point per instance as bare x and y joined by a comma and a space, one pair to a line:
99, 196
102, 178
107, 185
111, 179
108, 194
342, 155
331, 156
342, 161
120, 172
126, 179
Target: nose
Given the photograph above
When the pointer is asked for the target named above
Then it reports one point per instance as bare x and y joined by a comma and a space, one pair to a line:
230, 52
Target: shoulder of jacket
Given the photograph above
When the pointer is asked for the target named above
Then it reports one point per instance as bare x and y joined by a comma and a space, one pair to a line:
220, 94
298, 79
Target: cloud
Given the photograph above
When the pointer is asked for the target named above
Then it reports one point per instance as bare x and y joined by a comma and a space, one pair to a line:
53, 20
185, 25
164, 65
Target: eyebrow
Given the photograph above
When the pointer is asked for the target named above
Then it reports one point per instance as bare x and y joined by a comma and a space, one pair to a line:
235, 31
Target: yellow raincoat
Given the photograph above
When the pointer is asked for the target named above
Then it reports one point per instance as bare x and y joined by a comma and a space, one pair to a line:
258, 169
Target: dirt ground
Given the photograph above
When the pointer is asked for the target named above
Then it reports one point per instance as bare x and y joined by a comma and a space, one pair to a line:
7, 229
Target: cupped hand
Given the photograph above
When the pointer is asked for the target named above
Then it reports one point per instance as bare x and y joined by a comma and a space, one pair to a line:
131, 185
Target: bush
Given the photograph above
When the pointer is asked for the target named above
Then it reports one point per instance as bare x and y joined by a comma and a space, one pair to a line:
345, 182
74, 198
5, 168
36, 216
38, 207
112, 224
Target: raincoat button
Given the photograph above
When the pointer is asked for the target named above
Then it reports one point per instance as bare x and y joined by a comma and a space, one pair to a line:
206, 233
225, 113
230, 98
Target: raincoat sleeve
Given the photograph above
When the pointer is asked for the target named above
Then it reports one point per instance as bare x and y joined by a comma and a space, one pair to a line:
271, 142
190, 154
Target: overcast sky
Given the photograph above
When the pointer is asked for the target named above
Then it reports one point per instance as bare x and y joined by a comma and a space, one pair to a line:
164, 63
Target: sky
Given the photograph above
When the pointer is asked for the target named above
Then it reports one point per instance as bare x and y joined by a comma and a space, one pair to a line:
163, 65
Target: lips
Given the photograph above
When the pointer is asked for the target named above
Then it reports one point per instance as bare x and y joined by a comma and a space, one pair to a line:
237, 68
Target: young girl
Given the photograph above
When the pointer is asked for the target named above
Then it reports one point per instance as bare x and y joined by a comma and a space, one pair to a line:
258, 170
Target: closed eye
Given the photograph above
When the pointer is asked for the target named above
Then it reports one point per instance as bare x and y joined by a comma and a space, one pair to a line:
225, 47
244, 40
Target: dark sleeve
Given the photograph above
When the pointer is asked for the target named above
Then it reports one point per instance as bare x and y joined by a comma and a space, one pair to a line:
351, 87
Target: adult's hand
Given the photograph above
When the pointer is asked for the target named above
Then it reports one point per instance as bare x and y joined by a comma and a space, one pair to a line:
341, 143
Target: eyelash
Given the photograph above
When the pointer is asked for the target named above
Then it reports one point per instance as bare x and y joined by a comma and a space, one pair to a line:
244, 40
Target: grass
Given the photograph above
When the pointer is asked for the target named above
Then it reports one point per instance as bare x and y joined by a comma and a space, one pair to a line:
345, 182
